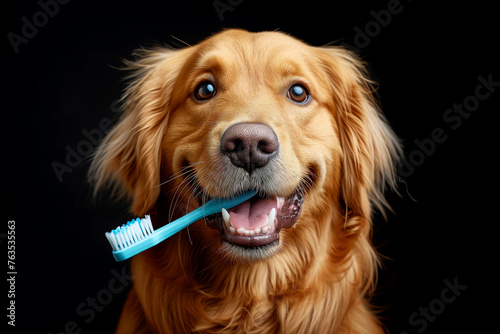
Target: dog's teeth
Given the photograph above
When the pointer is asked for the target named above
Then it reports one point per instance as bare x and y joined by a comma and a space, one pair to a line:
271, 217
280, 202
225, 215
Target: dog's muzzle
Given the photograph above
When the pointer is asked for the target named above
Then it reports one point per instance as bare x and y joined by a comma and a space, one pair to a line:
258, 221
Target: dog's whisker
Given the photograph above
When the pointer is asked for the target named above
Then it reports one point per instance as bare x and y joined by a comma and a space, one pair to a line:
207, 174
180, 40
189, 186
189, 236
203, 174
183, 171
192, 194
178, 192
210, 170
181, 191
192, 181
189, 174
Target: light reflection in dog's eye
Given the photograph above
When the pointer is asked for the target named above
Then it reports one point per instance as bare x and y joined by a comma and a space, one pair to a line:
205, 91
298, 93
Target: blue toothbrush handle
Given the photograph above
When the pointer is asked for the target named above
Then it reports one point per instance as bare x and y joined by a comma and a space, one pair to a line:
214, 206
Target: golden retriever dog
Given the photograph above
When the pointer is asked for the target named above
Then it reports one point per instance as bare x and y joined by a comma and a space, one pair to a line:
252, 111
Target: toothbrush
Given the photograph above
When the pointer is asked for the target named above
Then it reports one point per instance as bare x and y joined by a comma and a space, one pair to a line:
138, 234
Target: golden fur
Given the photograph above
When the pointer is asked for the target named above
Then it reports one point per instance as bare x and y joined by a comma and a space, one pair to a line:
339, 143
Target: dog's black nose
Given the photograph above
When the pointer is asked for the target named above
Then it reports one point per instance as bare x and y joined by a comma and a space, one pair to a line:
249, 145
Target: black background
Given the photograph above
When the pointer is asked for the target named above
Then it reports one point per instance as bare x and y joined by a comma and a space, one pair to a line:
426, 59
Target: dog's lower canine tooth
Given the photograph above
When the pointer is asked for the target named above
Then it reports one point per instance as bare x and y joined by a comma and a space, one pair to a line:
225, 215
271, 217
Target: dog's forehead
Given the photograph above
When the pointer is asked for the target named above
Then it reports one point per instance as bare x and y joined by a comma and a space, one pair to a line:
264, 39
238, 48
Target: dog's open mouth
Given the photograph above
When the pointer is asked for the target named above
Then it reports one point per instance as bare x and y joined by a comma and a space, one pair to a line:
257, 221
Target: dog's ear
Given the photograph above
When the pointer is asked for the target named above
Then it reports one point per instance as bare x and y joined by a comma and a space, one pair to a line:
370, 149
129, 158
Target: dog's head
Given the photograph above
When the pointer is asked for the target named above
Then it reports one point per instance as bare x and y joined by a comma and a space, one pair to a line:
243, 111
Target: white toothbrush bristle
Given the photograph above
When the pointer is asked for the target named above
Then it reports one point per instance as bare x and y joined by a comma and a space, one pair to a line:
130, 233
112, 240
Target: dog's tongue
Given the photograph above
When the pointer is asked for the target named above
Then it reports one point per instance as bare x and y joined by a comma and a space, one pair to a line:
251, 214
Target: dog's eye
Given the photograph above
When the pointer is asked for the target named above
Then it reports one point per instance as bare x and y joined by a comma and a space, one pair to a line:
205, 91
298, 94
